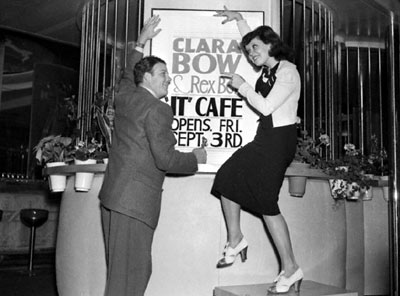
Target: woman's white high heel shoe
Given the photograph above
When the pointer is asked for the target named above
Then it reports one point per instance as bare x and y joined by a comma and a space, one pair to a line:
279, 276
284, 284
230, 254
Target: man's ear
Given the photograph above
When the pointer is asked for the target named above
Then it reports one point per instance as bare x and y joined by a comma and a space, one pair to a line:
146, 76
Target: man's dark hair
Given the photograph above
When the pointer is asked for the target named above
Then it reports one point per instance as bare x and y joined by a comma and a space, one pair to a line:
146, 64
266, 34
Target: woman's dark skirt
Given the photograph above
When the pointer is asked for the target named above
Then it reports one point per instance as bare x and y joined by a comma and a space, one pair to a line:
253, 175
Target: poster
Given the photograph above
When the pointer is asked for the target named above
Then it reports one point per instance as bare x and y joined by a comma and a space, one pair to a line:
198, 50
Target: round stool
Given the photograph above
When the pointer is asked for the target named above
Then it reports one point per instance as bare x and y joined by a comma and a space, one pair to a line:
33, 218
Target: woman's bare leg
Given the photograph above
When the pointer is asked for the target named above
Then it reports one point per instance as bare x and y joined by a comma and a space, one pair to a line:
232, 219
280, 234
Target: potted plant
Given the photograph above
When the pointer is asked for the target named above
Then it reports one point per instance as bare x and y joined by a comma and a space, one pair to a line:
92, 150
376, 167
347, 177
368, 170
54, 151
376, 162
308, 150
308, 154
87, 153
383, 171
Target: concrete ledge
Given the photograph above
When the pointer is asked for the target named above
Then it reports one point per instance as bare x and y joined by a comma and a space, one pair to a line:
308, 288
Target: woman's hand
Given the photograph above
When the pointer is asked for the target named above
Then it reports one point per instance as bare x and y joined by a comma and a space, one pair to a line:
235, 80
230, 15
149, 29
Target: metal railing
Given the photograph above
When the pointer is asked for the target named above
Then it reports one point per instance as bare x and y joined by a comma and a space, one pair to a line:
105, 30
343, 92
350, 90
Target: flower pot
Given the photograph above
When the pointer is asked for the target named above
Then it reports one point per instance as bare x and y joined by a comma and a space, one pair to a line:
366, 193
369, 176
385, 189
384, 178
338, 188
353, 191
83, 180
57, 183
297, 184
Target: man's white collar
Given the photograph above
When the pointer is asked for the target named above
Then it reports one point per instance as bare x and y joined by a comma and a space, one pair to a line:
150, 90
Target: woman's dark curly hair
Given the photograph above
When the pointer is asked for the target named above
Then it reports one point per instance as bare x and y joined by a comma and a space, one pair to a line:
266, 34
145, 65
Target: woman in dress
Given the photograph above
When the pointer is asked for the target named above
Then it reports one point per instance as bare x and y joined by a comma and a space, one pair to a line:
252, 177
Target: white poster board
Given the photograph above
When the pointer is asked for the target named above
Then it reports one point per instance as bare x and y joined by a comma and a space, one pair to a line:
198, 49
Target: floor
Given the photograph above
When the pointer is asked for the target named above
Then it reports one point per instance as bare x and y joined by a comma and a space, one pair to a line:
308, 288
15, 279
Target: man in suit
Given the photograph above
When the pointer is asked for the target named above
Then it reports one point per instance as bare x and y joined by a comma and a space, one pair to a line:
142, 152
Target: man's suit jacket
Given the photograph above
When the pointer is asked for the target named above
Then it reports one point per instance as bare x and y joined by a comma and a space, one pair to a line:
142, 152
